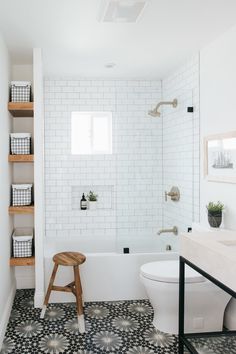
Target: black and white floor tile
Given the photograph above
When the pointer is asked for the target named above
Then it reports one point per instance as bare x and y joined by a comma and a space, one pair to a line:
123, 327
215, 345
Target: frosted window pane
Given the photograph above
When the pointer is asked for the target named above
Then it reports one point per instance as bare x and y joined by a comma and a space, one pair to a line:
101, 134
91, 133
80, 134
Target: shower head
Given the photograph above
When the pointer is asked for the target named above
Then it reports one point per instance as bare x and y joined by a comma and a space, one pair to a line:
155, 113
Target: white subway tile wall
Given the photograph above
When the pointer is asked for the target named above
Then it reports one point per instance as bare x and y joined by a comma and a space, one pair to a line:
132, 174
181, 146
149, 156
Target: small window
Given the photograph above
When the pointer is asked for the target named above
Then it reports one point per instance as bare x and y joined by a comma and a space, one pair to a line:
91, 133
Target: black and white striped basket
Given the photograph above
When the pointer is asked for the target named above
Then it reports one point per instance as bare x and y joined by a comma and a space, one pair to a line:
23, 242
21, 194
20, 91
20, 143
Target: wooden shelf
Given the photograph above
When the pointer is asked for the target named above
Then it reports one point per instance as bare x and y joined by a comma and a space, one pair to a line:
29, 209
27, 261
21, 109
21, 158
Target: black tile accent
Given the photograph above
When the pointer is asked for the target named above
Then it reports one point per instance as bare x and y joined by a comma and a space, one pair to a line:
190, 109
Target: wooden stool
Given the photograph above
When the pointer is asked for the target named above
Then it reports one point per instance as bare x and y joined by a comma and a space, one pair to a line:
73, 259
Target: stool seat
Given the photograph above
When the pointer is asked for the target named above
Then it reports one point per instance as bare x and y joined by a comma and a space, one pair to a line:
69, 258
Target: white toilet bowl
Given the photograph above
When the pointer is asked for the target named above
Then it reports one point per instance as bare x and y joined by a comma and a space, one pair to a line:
205, 303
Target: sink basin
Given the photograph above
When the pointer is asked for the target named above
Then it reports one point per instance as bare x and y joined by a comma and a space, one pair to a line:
228, 243
213, 252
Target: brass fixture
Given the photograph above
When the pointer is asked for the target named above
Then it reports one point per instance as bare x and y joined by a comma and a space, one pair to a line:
174, 194
174, 230
155, 113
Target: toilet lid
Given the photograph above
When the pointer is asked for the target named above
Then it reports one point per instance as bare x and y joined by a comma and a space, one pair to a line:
168, 272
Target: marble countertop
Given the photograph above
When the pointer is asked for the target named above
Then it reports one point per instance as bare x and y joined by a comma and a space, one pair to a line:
213, 252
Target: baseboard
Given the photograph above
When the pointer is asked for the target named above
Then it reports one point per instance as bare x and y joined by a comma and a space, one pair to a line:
6, 314
38, 299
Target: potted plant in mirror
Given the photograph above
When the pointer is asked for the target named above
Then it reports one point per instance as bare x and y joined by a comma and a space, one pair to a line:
215, 213
92, 198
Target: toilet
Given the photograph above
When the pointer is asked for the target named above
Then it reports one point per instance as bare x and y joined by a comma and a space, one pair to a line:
205, 303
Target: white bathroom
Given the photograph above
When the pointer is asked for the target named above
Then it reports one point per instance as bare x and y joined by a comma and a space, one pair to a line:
118, 179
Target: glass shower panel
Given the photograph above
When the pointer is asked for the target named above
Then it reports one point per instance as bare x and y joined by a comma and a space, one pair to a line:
178, 164
139, 171
155, 153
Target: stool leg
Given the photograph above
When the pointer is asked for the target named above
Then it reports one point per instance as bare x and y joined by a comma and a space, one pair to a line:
54, 272
78, 291
81, 292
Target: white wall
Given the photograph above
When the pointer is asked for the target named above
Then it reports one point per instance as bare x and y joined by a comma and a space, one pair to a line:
218, 114
39, 177
7, 282
22, 72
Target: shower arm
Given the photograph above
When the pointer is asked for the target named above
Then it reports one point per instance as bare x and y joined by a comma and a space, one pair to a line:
174, 230
156, 113
171, 103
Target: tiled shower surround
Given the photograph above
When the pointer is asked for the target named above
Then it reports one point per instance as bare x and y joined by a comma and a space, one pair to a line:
131, 175
148, 156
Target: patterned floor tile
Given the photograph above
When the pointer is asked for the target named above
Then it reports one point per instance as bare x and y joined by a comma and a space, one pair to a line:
122, 327
215, 345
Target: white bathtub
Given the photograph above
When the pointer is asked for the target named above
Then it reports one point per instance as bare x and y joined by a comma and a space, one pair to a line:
105, 276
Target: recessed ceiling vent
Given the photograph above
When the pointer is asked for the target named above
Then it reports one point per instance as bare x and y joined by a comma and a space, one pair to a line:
121, 10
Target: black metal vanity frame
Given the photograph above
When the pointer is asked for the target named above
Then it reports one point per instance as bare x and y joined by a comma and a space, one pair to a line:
183, 337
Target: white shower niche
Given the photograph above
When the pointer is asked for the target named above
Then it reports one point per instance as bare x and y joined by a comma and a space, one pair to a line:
105, 196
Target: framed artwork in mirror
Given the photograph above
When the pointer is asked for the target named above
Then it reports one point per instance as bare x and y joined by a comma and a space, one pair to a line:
220, 157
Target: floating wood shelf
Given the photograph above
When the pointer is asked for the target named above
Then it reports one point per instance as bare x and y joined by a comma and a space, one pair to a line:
29, 209
21, 158
21, 109
27, 261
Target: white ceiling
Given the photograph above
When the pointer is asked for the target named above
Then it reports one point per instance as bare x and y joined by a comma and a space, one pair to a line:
76, 43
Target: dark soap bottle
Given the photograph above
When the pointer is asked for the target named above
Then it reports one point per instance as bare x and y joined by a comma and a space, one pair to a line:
83, 203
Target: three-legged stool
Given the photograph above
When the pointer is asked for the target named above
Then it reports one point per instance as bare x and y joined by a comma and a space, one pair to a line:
73, 259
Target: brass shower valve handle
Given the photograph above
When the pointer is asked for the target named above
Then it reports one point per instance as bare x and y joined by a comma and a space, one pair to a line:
174, 194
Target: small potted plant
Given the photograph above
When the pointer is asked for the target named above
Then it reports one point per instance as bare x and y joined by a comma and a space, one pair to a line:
215, 213
92, 198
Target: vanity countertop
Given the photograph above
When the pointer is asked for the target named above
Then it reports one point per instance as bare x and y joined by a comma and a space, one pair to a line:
213, 252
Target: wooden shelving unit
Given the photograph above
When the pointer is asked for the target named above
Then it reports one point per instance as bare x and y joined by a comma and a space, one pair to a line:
27, 261
21, 109
21, 158
21, 209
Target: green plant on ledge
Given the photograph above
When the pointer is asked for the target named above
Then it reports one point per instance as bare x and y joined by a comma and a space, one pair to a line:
215, 213
92, 197
215, 208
